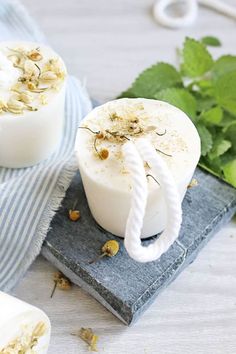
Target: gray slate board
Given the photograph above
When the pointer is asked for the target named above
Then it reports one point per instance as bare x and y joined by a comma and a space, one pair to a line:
122, 285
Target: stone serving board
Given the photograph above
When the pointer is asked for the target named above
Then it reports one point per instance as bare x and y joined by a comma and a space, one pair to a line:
122, 285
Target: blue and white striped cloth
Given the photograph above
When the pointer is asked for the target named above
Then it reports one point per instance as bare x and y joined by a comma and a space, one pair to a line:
29, 197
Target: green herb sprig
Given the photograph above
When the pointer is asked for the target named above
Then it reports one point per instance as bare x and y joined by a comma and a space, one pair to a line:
205, 89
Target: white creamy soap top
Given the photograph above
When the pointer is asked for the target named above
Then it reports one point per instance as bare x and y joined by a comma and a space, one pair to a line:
32, 95
107, 181
23, 328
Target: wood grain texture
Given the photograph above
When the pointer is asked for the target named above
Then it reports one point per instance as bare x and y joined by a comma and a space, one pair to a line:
109, 42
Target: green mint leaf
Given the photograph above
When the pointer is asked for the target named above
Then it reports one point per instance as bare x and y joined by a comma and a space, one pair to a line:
179, 98
230, 172
154, 79
211, 41
206, 166
196, 58
230, 135
204, 103
212, 116
220, 146
206, 139
225, 91
223, 65
227, 122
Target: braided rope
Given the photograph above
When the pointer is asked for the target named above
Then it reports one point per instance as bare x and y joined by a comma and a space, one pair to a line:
134, 157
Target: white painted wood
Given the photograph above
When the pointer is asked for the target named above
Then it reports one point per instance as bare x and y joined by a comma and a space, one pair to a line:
109, 42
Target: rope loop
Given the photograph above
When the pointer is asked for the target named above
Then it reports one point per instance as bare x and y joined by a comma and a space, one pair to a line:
135, 154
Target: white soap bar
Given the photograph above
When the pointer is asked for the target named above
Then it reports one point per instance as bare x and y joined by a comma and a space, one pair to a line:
23, 328
107, 182
32, 95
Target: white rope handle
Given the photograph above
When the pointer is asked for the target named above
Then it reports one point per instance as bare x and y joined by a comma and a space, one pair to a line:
161, 15
134, 163
191, 11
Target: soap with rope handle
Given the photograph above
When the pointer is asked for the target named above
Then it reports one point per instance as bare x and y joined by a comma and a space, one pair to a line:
106, 129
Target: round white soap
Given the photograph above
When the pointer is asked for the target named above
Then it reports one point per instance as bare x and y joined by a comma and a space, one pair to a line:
23, 328
104, 174
32, 95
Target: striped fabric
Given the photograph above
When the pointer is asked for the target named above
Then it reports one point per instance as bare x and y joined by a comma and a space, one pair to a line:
29, 197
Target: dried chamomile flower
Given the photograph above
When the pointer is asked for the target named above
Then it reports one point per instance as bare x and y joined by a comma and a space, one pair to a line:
39, 330
43, 99
74, 215
15, 59
103, 154
114, 116
61, 282
30, 68
193, 183
100, 135
31, 86
87, 335
48, 76
3, 106
15, 106
109, 249
35, 55
26, 97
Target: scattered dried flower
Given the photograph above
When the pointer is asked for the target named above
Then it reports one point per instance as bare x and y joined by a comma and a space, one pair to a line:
74, 215
48, 76
61, 282
30, 68
15, 59
100, 135
103, 154
26, 97
39, 330
31, 86
15, 106
3, 106
87, 335
193, 183
109, 249
35, 55
43, 99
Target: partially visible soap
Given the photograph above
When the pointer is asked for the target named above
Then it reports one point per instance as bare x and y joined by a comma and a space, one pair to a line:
23, 327
32, 96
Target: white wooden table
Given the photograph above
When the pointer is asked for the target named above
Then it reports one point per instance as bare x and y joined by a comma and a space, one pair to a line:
108, 42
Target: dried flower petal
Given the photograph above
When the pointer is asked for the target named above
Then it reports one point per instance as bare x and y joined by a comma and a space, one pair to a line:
15, 59
100, 135
15, 106
74, 215
60, 281
39, 330
87, 335
48, 76
193, 183
110, 248
103, 154
31, 86
26, 97
30, 68
35, 55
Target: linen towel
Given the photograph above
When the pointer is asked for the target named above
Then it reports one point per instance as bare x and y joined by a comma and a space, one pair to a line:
29, 197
